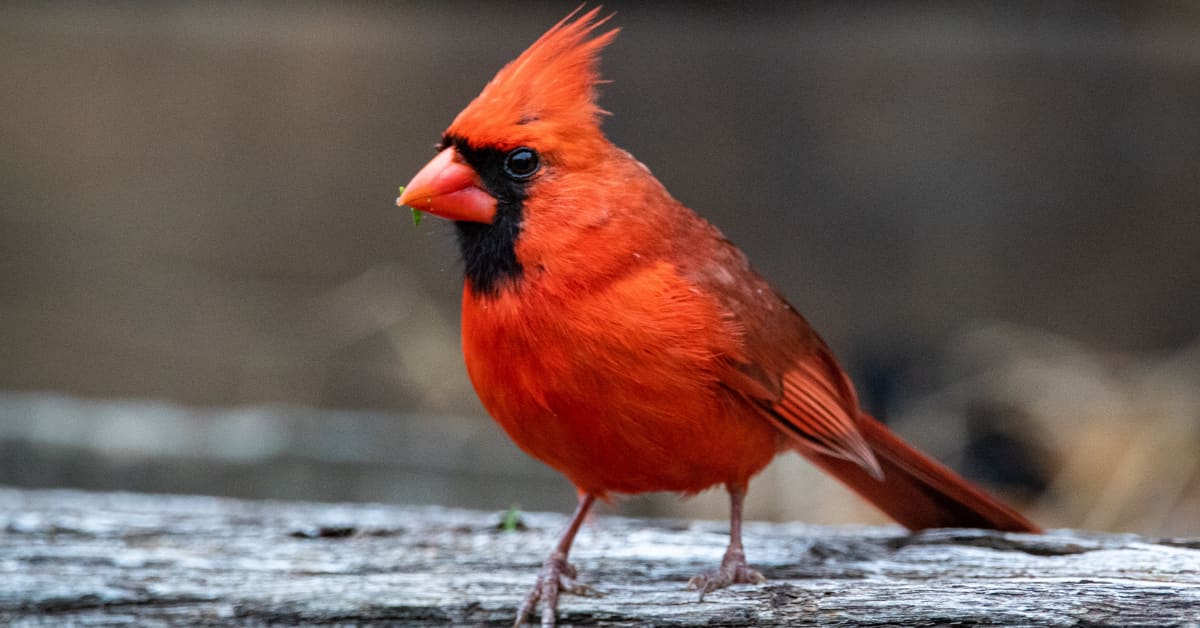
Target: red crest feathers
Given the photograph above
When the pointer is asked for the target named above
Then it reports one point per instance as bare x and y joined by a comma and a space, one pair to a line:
545, 96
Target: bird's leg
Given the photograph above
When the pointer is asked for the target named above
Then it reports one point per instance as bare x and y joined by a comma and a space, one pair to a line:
733, 569
556, 574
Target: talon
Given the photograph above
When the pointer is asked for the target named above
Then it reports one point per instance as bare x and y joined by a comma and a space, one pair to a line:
557, 576
733, 570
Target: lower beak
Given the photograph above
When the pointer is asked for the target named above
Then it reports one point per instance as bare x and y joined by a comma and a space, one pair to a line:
449, 188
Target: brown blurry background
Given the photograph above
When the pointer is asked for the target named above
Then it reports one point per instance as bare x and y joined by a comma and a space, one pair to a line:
991, 213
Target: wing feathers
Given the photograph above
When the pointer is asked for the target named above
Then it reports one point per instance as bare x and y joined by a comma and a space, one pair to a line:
810, 408
784, 368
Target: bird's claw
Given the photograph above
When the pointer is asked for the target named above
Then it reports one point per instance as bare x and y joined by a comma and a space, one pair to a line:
733, 570
557, 576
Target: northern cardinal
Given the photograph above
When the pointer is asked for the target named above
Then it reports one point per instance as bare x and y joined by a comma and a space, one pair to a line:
622, 340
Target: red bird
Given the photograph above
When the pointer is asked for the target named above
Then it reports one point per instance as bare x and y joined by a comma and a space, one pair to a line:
622, 340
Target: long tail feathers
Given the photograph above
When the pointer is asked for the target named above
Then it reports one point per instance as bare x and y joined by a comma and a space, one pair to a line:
917, 491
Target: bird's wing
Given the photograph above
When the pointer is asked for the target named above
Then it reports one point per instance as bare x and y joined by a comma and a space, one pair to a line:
785, 371
811, 403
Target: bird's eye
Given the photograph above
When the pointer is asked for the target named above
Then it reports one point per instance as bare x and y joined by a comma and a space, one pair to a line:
521, 163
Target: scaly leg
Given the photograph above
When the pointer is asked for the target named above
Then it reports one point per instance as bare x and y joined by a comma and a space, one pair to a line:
556, 574
733, 568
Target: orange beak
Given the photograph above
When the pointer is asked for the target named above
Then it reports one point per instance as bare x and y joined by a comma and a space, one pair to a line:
449, 188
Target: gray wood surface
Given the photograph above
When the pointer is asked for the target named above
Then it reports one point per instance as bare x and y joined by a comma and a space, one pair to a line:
116, 559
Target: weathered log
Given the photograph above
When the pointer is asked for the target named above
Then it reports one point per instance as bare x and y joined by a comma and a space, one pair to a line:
70, 557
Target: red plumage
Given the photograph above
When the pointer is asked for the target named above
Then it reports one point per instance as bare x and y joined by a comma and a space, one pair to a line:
622, 340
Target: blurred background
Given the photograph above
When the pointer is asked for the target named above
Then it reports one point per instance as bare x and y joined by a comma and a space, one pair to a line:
991, 213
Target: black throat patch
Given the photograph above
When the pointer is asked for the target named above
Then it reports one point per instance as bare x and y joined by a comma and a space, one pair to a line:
489, 250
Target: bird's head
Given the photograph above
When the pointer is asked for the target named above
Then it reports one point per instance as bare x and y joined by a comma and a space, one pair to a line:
533, 126
537, 115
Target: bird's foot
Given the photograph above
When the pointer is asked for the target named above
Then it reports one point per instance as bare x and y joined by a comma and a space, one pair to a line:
733, 570
557, 576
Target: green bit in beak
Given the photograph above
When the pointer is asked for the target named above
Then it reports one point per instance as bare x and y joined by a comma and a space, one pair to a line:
417, 214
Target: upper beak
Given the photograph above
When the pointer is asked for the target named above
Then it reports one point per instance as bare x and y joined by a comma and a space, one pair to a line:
449, 188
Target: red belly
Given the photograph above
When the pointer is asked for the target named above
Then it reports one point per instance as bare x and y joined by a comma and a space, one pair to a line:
629, 405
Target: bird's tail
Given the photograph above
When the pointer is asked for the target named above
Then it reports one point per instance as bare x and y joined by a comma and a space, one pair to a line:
918, 491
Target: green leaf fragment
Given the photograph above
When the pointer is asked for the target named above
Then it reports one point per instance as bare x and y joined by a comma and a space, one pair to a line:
417, 214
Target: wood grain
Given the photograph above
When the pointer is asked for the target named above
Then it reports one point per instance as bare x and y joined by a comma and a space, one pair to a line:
115, 559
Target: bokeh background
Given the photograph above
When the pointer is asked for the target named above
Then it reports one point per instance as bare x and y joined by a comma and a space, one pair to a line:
991, 212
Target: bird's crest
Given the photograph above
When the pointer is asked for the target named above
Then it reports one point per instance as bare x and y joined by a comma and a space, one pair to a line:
547, 95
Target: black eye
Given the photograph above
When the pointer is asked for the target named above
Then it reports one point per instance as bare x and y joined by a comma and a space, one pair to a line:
521, 163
